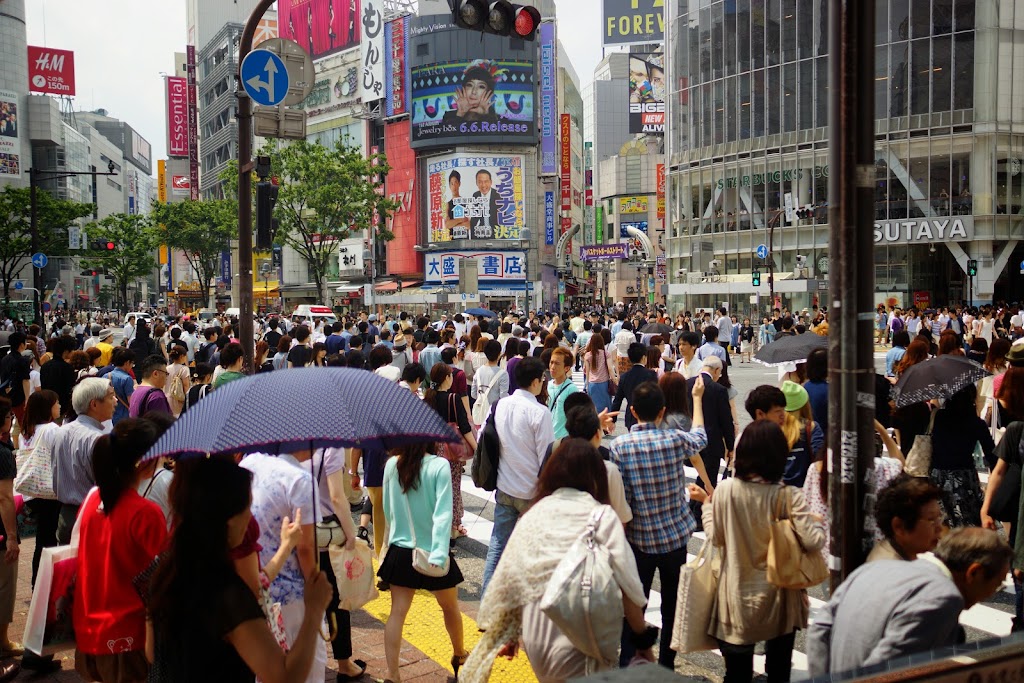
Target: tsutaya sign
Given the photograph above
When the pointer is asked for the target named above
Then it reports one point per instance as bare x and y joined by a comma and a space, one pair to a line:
925, 230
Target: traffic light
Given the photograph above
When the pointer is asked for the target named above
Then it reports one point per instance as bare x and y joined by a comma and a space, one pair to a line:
755, 278
90, 273
499, 17
972, 268
102, 245
266, 199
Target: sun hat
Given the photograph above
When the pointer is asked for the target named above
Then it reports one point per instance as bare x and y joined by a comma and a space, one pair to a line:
106, 334
1016, 355
796, 396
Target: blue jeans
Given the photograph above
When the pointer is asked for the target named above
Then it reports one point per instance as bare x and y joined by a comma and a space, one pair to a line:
506, 514
598, 392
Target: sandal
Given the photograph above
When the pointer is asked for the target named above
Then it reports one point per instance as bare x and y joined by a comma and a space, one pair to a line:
459, 531
353, 677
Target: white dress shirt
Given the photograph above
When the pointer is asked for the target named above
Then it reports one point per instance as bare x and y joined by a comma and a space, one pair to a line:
525, 432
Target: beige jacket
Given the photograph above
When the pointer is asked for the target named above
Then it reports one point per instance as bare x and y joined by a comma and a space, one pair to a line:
749, 609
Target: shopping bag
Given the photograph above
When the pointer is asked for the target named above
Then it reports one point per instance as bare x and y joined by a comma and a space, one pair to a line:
698, 591
353, 570
50, 626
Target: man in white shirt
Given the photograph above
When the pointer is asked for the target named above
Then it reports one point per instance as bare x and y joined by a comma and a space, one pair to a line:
525, 431
128, 332
688, 364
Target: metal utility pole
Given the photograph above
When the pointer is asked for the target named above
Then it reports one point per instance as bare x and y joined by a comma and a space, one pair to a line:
852, 277
246, 334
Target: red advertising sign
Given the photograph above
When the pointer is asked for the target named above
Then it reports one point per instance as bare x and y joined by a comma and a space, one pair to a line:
565, 129
177, 117
181, 184
396, 83
401, 186
193, 123
589, 194
51, 71
661, 190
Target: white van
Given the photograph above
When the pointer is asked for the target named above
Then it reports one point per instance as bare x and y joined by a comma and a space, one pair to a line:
311, 313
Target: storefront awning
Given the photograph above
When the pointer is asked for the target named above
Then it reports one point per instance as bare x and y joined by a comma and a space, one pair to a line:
348, 289
393, 286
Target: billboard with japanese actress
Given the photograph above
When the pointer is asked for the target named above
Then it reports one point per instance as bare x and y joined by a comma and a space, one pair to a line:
646, 93
475, 101
321, 27
475, 197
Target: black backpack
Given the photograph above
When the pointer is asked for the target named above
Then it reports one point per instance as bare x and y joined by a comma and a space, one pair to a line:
484, 470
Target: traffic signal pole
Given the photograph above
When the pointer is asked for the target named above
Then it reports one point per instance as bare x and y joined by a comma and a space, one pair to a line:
246, 332
852, 278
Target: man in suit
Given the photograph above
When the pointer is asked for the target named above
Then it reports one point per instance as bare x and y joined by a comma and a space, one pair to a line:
717, 421
490, 203
633, 378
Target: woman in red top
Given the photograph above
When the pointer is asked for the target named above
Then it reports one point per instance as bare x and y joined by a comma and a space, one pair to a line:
121, 533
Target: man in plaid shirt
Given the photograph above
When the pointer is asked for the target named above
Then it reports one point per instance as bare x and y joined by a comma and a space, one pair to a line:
651, 460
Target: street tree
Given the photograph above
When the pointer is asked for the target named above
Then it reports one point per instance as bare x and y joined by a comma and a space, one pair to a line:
54, 217
326, 195
133, 240
201, 230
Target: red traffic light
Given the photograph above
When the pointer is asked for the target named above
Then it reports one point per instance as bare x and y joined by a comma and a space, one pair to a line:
110, 246
526, 22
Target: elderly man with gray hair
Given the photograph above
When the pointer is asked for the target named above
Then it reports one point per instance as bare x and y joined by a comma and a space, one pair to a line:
893, 608
93, 400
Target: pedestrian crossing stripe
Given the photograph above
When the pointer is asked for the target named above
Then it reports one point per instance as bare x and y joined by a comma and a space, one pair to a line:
424, 629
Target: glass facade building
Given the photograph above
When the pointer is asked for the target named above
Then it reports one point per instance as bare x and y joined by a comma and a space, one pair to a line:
748, 149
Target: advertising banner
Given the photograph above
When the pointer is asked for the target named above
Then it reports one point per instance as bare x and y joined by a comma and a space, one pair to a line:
371, 82
51, 71
181, 185
548, 79
603, 252
633, 205
661, 190
321, 27
639, 225
661, 269
565, 159
10, 147
599, 223
505, 266
467, 100
400, 186
549, 218
627, 22
193, 125
491, 207
225, 268
177, 116
161, 181
397, 77
646, 93
335, 88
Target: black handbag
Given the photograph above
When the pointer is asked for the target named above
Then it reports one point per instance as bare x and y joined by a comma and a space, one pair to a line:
484, 470
1005, 503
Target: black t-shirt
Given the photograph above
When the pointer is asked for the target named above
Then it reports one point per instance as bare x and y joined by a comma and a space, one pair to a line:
272, 337
201, 652
8, 470
58, 376
300, 356
15, 369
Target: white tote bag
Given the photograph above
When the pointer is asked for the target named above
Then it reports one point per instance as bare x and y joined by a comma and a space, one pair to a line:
698, 590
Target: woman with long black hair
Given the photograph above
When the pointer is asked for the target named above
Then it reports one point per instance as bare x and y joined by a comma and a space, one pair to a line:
451, 409
418, 507
41, 413
205, 623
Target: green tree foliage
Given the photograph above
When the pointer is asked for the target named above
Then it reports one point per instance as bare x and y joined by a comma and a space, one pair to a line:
54, 216
135, 239
201, 230
326, 195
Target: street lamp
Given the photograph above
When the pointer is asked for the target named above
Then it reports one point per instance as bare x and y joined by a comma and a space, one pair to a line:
34, 175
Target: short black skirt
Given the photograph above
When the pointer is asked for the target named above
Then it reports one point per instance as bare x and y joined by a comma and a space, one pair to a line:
397, 570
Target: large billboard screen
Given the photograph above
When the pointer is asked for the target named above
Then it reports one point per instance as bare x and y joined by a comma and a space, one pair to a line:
321, 27
10, 146
476, 197
472, 100
629, 22
177, 116
51, 71
646, 93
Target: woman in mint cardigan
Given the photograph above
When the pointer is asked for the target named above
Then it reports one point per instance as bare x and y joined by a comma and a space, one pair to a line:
418, 508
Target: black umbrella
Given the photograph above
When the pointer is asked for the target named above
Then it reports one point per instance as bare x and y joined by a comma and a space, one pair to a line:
790, 349
656, 328
939, 377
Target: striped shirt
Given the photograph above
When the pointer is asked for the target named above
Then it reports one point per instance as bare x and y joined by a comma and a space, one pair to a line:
651, 462
72, 458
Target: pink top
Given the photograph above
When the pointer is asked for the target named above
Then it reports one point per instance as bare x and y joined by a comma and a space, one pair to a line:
599, 375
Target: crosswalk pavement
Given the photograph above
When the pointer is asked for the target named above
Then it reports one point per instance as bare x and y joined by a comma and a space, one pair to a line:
989, 619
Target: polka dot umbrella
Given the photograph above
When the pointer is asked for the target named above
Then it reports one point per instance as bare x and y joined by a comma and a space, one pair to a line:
939, 377
303, 408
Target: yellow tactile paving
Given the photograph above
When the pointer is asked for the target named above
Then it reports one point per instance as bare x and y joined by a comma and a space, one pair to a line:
424, 630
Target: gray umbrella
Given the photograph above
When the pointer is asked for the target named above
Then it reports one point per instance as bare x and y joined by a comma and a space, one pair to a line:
790, 349
939, 377
656, 328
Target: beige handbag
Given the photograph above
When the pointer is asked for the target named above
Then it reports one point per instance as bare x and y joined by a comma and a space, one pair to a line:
919, 459
698, 591
789, 564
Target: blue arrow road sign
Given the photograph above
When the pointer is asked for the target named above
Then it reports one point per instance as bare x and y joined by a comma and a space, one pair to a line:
39, 260
762, 251
19, 284
265, 77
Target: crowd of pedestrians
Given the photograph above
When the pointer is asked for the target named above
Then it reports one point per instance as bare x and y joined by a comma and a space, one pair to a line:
206, 569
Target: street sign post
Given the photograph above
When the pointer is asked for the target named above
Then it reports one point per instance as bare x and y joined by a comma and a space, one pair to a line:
761, 251
19, 285
299, 65
39, 260
265, 78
